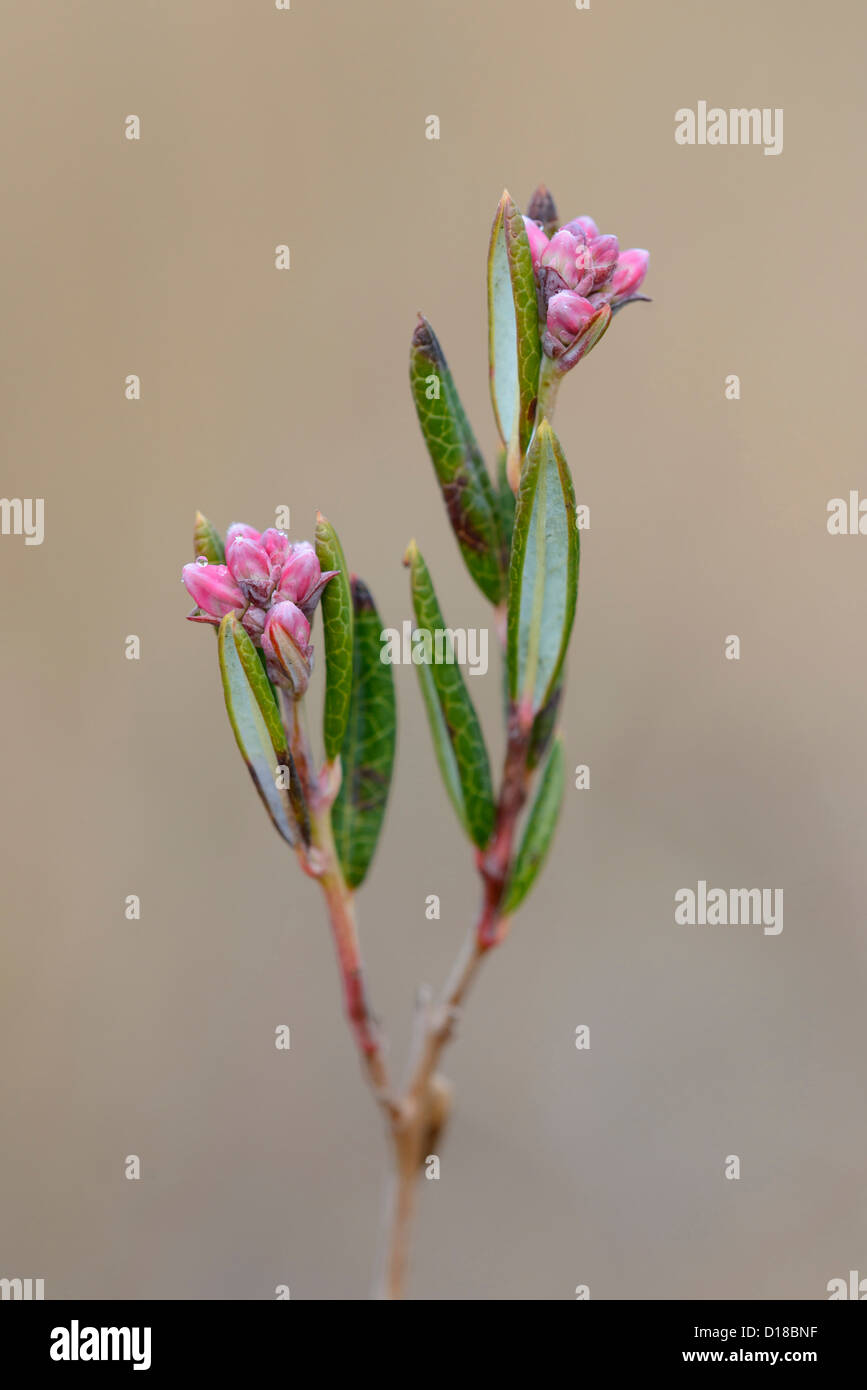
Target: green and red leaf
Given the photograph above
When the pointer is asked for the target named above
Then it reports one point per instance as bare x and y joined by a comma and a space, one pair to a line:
465, 483
538, 832
457, 734
367, 751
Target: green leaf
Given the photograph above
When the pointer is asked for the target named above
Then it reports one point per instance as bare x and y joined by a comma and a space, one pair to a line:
207, 541
514, 344
337, 624
457, 735
505, 505
538, 831
367, 754
543, 575
463, 478
543, 727
258, 728
271, 686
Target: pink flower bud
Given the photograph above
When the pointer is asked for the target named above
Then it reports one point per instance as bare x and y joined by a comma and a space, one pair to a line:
254, 623
238, 528
302, 580
568, 315
629, 275
285, 642
250, 566
300, 572
212, 588
537, 239
558, 263
581, 280
597, 260
582, 226
277, 544
573, 327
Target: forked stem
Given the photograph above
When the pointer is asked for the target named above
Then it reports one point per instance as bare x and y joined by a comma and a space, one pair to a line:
416, 1118
422, 1111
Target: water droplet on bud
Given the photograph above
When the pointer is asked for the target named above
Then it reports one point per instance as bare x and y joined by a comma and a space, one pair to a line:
201, 559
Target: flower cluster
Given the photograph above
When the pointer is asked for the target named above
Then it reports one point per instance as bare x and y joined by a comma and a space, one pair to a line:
582, 279
274, 587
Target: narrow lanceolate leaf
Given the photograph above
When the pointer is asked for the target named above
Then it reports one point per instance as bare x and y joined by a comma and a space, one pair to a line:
514, 344
543, 575
255, 719
463, 478
457, 734
207, 541
337, 625
543, 727
505, 505
367, 754
538, 831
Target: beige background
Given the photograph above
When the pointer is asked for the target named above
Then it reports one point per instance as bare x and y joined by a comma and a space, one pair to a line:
707, 518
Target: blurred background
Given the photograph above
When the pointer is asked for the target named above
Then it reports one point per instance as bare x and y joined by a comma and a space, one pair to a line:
708, 518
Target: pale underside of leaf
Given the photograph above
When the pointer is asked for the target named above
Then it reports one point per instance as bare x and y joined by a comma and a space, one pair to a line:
504, 332
539, 829
514, 339
251, 729
544, 574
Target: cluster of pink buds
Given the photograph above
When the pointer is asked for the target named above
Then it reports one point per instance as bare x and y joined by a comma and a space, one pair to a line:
582, 279
274, 587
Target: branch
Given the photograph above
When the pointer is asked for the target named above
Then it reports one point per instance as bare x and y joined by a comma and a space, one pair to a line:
321, 862
361, 1019
424, 1107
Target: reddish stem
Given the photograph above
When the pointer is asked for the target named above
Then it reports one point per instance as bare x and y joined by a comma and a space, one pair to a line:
411, 1126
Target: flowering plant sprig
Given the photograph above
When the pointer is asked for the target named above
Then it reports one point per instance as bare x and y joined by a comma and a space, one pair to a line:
552, 294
